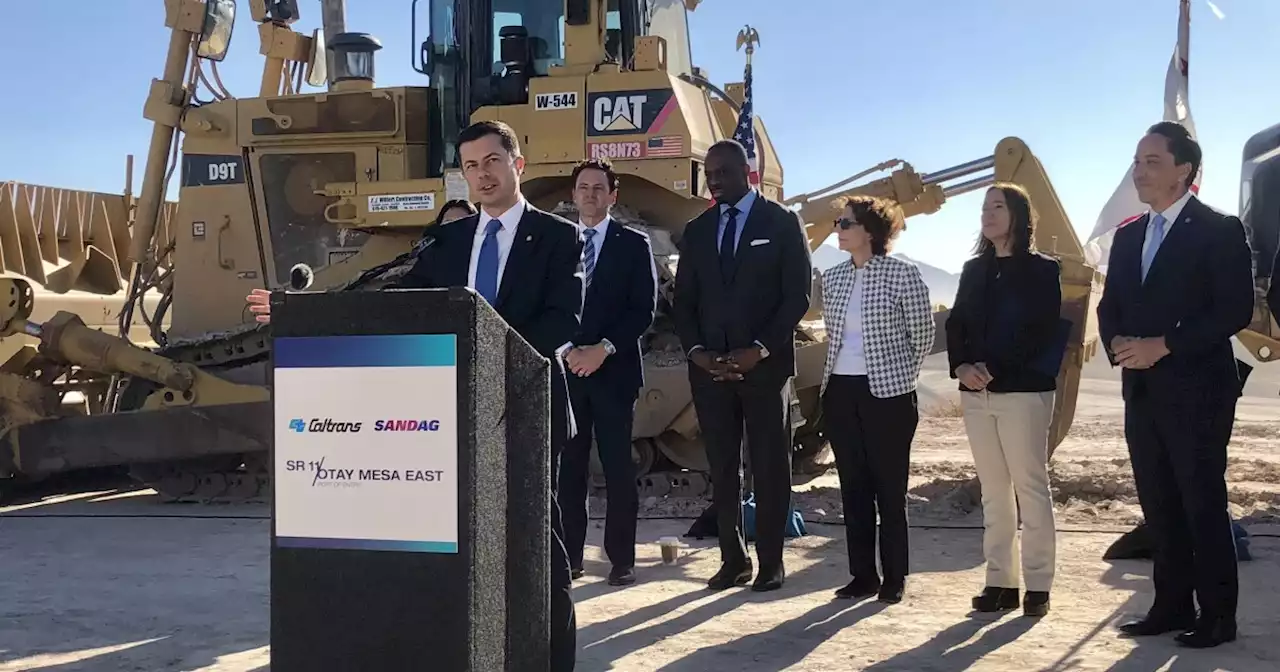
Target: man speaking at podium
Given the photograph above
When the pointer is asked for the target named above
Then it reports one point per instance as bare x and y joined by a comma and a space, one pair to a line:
528, 265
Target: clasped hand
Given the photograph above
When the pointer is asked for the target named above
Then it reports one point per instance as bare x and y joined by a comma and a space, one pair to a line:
974, 376
1138, 353
584, 360
727, 367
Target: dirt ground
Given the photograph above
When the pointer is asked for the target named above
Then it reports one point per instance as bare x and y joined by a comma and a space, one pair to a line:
99, 594
97, 582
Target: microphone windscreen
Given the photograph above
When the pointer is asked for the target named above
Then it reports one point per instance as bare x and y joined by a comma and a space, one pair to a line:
300, 277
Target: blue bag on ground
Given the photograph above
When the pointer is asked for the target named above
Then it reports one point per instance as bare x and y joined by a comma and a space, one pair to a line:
795, 522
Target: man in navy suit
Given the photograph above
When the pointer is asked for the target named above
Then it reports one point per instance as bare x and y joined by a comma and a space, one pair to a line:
606, 371
527, 264
742, 286
1180, 284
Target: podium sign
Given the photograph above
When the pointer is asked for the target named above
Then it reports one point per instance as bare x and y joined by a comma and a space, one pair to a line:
411, 472
366, 430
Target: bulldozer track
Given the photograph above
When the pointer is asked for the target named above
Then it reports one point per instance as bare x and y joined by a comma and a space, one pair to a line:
243, 478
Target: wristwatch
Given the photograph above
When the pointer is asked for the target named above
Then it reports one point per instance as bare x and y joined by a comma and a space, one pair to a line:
608, 347
764, 352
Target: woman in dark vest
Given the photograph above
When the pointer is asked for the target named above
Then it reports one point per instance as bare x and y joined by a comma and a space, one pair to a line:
1005, 341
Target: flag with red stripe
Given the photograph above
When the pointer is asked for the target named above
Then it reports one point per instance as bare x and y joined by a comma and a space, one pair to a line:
1124, 206
745, 133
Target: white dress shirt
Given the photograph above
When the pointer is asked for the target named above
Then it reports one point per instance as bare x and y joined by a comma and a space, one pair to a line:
597, 242
1170, 215
505, 235
851, 360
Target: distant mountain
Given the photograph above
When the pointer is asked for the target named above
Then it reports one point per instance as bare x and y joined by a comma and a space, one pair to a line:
827, 256
942, 284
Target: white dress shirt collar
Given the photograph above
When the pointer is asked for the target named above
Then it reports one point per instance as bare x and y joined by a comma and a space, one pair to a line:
505, 237
1172, 212
601, 229
743, 205
510, 219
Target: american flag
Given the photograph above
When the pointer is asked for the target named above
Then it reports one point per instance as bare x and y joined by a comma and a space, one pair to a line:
745, 132
667, 145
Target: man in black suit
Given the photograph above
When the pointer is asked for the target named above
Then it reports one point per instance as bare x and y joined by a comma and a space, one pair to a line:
607, 371
527, 264
1180, 284
742, 286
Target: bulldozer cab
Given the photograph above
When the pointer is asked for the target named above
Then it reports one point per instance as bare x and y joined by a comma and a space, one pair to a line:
1260, 198
1260, 214
480, 53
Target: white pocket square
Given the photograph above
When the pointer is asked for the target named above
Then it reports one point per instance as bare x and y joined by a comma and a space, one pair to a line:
759, 241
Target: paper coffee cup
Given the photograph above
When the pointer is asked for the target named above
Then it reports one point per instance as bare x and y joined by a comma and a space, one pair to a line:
670, 550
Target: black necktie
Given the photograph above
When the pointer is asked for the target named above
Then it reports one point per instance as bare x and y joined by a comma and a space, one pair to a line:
727, 243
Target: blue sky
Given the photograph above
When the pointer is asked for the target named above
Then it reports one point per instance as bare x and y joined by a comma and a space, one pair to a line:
842, 85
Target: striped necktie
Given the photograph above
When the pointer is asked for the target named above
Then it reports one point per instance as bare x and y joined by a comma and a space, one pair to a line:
589, 254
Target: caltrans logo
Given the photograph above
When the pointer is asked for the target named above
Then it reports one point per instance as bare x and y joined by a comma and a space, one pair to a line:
323, 426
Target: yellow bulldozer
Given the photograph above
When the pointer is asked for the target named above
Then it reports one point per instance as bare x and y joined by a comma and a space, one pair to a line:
344, 180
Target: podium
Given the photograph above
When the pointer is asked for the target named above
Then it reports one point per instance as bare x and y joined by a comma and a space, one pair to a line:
410, 521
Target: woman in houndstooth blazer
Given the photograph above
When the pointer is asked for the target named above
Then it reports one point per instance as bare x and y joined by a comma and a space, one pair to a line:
879, 330
1005, 340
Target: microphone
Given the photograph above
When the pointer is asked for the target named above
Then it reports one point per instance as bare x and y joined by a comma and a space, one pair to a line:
418, 249
300, 277
427, 240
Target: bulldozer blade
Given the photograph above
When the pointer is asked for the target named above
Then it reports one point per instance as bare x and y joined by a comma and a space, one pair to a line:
138, 437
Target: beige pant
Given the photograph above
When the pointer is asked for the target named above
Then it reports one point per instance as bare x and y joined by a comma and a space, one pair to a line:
1009, 435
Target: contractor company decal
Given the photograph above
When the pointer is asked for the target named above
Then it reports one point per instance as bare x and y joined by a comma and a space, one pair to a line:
629, 112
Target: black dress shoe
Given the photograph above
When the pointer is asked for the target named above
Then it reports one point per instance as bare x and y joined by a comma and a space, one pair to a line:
1036, 603
859, 589
622, 576
1208, 633
731, 576
994, 598
1157, 624
770, 578
576, 573
891, 591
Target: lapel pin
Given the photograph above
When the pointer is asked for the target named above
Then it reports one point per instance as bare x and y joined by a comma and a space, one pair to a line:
528, 238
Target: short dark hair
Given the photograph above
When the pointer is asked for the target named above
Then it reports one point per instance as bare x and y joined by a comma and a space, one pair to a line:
482, 128
603, 165
730, 147
1022, 221
880, 217
455, 203
1181, 145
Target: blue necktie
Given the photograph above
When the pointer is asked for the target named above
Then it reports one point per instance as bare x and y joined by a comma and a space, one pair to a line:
1157, 237
487, 265
589, 254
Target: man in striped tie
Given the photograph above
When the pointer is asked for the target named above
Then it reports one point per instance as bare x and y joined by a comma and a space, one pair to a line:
606, 370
